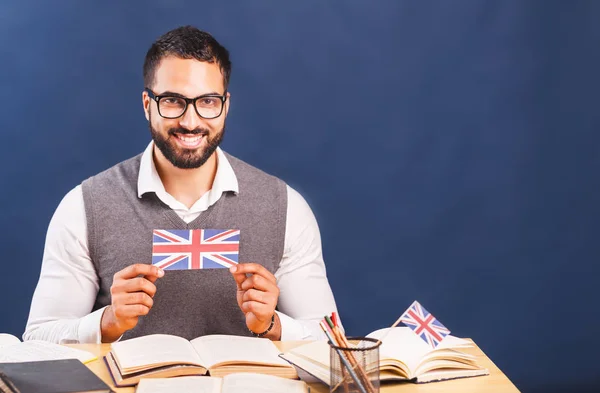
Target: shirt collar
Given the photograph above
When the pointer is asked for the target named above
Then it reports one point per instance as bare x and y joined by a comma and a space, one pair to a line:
149, 180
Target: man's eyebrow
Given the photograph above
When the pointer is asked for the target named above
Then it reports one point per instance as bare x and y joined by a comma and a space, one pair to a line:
173, 94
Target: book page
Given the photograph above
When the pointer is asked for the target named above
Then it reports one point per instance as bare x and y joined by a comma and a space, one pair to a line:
403, 344
8, 339
310, 358
180, 384
449, 354
445, 364
444, 374
317, 352
260, 383
218, 349
34, 350
154, 349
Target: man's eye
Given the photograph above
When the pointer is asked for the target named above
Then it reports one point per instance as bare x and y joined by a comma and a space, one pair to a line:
171, 100
208, 101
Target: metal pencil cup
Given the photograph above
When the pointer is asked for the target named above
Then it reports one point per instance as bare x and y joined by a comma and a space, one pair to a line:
355, 369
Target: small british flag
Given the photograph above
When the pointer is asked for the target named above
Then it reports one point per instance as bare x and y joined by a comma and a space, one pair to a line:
176, 249
424, 325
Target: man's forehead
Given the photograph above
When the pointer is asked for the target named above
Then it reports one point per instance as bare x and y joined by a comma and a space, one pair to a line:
189, 77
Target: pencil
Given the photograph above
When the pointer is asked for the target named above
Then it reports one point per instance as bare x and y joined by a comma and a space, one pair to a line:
356, 367
329, 322
343, 359
357, 364
343, 342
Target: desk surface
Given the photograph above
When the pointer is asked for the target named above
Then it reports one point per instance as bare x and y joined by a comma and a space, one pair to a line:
495, 382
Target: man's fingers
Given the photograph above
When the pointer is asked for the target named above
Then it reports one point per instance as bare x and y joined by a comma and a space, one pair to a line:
137, 298
258, 296
239, 279
152, 279
131, 311
258, 282
252, 268
260, 310
131, 292
240, 270
139, 269
128, 299
136, 285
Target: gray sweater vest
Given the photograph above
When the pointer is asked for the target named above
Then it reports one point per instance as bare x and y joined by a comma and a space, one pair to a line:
187, 303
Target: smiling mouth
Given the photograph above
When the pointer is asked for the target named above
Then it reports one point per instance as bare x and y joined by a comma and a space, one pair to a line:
189, 140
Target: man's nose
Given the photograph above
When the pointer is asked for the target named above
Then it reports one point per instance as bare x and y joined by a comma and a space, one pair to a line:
190, 119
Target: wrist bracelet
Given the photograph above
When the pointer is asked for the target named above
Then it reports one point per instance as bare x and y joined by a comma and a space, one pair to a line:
266, 331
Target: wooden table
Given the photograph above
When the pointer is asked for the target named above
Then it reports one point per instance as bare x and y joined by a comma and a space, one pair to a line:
495, 382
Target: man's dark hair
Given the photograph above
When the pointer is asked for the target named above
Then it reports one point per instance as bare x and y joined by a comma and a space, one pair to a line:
186, 42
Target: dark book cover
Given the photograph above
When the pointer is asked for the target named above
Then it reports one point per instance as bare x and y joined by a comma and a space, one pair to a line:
6, 386
52, 376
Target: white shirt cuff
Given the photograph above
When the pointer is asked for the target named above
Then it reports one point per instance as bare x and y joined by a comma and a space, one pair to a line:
89, 331
292, 330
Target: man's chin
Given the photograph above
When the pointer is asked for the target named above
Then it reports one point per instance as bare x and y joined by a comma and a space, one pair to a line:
185, 153
188, 161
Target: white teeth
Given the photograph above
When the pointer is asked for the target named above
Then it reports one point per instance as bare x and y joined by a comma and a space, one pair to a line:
190, 139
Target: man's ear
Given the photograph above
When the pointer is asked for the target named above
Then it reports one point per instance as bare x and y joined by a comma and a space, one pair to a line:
226, 110
146, 105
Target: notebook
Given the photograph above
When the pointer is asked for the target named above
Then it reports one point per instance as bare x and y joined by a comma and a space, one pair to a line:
50, 376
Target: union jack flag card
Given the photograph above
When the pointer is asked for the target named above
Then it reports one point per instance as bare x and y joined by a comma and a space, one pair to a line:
188, 249
424, 325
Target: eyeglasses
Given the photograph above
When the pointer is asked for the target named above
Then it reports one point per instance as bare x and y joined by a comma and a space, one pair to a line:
171, 106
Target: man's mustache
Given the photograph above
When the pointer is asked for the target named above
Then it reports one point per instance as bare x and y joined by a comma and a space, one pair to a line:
184, 131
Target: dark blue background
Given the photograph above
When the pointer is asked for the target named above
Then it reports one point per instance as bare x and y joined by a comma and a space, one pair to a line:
449, 150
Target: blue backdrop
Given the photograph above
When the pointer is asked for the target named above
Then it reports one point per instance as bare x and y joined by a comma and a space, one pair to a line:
448, 149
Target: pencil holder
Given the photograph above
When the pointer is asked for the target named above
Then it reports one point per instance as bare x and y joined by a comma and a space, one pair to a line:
355, 368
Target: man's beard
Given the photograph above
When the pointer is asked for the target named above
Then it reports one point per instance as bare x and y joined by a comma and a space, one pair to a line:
181, 157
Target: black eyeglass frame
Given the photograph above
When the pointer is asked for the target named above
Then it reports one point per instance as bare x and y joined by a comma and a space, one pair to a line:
188, 101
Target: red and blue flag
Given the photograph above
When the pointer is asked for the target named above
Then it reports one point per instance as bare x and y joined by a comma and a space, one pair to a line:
186, 249
424, 325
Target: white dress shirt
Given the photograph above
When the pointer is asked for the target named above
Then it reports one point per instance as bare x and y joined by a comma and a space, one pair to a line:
68, 284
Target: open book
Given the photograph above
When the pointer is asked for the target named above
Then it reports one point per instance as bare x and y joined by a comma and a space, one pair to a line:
161, 355
232, 383
13, 350
402, 356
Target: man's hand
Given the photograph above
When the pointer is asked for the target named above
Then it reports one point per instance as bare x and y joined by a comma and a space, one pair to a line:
257, 297
131, 298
